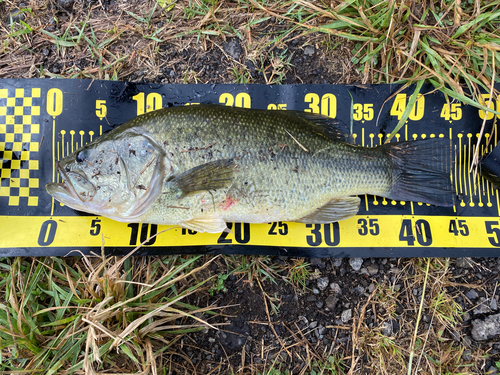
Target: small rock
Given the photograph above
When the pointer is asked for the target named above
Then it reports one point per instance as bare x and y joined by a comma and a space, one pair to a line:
311, 298
372, 269
386, 328
359, 290
455, 335
464, 262
483, 306
45, 52
466, 355
309, 50
331, 302
172, 73
313, 325
494, 304
315, 291
371, 288
487, 328
323, 283
471, 294
321, 330
335, 288
337, 262
233, 49
346, 315
466, 340
356, 263
16, 15
319, 304
492, 371
318, 262
465, 317
66, 4
211, 339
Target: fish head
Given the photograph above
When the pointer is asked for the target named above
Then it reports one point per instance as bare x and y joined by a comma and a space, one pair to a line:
119, 175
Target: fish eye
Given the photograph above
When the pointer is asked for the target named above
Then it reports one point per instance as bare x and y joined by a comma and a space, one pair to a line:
80, 157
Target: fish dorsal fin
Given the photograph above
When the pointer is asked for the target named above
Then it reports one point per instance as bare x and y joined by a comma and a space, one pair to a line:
335, 210
208, 224
212, 175
332, 128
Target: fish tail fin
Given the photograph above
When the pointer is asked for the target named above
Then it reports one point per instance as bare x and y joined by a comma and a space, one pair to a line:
422, 171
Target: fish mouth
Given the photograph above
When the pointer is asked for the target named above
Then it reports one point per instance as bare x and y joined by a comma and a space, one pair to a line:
65, 191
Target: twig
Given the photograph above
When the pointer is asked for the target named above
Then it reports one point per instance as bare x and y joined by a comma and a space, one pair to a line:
302, 147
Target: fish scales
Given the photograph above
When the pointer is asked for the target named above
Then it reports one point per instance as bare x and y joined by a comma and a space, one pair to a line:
256, 166
271, 181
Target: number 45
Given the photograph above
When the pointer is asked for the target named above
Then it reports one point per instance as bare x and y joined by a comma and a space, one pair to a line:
451, 111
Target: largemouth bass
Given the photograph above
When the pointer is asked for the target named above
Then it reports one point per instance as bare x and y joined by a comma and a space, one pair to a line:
202, 166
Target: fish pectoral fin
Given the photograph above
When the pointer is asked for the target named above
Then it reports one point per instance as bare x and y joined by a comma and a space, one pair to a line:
216, 174
335, 210
209, 224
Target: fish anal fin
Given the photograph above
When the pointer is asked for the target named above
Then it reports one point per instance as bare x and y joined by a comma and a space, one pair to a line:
208, 224
335, 210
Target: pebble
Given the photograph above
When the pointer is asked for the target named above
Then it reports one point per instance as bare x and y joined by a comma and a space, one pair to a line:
371, 288
172, 73
335, 288
372, 269
319, 304
323, 283
487, 328
337, 262
359, 289
483, 306
331, 302
233, 49
313, 325
317, 262
466, 355
66, 4
346, 315
356, 263
464, 262
16, 15
386, 328
315, 291
311, 298
471, 294
309, 50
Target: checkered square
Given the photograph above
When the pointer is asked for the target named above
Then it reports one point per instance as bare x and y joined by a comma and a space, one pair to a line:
19, 145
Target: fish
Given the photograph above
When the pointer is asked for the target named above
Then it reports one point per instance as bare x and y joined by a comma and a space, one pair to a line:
202, 166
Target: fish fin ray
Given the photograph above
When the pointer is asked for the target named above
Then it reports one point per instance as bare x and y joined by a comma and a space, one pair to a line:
332, 128
335, 210
216, 174
421, 171
208, 224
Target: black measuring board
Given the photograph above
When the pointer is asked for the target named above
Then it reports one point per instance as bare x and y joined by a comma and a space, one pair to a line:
42, 120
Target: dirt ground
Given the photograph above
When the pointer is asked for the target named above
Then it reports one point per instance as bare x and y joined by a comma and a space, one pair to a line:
356, 315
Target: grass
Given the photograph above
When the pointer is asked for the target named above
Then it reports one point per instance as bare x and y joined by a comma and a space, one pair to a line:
92, 314
70, 315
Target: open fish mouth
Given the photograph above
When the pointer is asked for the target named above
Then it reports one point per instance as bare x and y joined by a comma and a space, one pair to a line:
66, 192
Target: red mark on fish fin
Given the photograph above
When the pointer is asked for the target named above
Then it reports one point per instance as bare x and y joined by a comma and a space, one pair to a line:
227, 204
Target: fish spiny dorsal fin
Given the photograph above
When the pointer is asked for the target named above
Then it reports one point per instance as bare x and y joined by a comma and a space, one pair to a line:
327, 126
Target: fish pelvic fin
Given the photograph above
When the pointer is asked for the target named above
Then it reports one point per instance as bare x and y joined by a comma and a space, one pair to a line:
208, 224
335, 210
422, 171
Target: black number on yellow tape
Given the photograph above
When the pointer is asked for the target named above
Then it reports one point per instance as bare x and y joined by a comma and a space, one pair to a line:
327, 234
47, 233
490, 229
